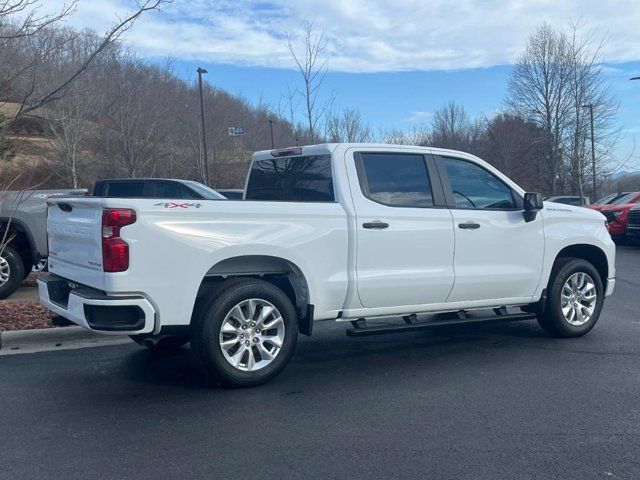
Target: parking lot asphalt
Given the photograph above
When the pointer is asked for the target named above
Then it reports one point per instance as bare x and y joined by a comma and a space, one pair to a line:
495, 401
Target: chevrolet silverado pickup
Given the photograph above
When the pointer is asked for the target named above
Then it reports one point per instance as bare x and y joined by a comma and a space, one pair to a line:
344, 232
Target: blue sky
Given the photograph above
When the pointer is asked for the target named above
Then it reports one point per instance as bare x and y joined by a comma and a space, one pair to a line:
404, 99
394, 61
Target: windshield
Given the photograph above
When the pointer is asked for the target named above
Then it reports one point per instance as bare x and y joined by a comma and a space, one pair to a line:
206, 192
609, 198
624, 199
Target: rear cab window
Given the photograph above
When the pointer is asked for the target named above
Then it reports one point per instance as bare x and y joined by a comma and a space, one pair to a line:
291, 179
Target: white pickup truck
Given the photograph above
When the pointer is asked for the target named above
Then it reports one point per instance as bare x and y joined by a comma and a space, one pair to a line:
347, 232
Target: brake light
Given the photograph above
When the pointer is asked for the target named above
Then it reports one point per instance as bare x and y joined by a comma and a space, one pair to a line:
115, 251
286, 152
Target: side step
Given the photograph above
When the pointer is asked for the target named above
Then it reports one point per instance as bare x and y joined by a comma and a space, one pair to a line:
363, 331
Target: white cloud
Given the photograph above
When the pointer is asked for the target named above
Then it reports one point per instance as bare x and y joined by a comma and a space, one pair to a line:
417, 116
365, 36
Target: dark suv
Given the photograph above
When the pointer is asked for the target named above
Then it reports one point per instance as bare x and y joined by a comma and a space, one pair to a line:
154, 188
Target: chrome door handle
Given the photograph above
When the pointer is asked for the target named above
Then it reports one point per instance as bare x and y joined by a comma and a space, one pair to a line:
375, 225
469, 225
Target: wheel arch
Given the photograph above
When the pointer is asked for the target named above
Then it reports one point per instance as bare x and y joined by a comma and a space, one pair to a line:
281, 272
22, 240
592, 254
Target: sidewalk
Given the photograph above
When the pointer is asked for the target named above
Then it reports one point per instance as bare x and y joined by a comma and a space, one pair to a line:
49, 339
46, 339
23, 294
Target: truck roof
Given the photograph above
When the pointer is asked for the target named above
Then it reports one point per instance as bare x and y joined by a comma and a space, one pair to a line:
146, 179
328, 148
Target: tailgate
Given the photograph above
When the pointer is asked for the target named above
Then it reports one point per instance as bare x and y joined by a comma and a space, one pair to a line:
74, 229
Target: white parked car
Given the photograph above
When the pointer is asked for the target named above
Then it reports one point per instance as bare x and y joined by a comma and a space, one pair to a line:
343, 232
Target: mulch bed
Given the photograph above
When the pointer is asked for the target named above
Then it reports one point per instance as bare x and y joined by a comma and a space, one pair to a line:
31, 280
24, 315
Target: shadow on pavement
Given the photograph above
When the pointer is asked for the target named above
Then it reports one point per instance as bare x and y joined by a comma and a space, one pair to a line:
329, 347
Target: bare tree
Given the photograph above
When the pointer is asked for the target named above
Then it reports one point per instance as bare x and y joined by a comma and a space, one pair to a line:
135, 114
417, 135
313, 70
348, 126
559, 75
588, 89
539, 89
32, 25
452, 128
515, 145
70, 123
28, 21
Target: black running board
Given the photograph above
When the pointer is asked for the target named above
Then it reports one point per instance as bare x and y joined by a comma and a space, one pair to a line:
382, 330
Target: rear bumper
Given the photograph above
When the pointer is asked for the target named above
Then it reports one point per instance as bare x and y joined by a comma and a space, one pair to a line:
94, 310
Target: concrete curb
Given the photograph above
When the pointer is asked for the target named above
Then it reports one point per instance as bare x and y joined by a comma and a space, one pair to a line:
50, 339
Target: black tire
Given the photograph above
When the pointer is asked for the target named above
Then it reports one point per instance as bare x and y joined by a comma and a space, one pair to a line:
206, 324
16, 271
163, 344
551, 319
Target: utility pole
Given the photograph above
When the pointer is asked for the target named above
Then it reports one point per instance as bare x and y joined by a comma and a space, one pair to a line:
271, 120
204, 135
593, 152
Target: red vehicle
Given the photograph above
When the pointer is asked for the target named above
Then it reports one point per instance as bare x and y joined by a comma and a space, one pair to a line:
617, 213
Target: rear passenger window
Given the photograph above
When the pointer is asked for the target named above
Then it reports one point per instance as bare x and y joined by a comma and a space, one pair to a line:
126, 189
395, 179
292, 179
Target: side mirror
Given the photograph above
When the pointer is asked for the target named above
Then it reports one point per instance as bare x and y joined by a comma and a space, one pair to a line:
532, 205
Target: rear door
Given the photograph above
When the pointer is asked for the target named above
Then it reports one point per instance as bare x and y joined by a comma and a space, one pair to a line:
498, 255
404, 232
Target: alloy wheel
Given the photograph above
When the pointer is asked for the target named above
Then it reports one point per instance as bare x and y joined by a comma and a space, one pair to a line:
252, 334
578, 299
5, 271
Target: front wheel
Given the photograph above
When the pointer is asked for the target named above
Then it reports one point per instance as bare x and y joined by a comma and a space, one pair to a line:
575, 296
245, 333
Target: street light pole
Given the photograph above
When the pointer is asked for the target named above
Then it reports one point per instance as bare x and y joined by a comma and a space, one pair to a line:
593, 152
271, 120
204, 135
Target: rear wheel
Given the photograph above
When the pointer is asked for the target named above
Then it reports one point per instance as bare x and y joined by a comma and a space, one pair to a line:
11, 271
244, 334
575, 296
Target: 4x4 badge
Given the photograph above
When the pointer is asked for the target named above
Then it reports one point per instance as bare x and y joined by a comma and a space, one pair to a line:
177, 205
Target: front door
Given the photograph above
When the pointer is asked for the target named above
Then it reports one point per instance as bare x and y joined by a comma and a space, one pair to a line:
498, 255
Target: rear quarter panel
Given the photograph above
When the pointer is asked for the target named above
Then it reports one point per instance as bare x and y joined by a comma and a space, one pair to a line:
172, 248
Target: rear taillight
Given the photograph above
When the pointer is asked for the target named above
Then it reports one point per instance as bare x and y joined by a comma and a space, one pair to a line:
115, 251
